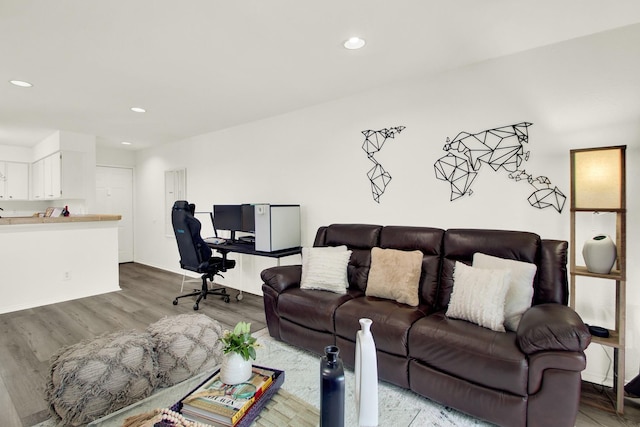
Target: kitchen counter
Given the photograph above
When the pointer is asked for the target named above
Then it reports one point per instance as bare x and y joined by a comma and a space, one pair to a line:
59, 220
57, 259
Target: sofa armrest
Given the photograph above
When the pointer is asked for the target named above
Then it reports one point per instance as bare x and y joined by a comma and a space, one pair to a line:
552, 327
282, 277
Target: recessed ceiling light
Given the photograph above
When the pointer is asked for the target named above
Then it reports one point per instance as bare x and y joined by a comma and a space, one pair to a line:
354, 43
20, 83
138, 109
125, 143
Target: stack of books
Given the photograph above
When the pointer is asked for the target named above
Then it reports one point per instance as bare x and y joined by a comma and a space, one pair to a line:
218, 404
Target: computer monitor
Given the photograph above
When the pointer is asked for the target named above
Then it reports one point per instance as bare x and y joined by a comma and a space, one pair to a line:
234, 218
248, 218
228, 217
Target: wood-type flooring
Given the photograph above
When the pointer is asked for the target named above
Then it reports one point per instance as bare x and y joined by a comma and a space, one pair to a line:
29, 338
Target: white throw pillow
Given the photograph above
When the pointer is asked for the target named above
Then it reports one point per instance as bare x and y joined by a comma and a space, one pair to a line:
325, 268
520, 293
478, 296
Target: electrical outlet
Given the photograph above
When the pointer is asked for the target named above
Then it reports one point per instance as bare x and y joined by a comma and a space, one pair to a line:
66, 275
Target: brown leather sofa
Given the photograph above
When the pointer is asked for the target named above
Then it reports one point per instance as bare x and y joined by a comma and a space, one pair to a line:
526, 378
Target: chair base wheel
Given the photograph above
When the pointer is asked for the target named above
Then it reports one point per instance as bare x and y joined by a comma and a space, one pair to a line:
227, 299
175, 301
239, 297
195, 307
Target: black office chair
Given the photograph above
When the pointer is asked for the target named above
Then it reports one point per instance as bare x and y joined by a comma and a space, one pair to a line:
195, 254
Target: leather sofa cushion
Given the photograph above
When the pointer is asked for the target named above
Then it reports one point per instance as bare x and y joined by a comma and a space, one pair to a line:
547, 327
464, 350
355, 236
552, 273
391, 322
312, 308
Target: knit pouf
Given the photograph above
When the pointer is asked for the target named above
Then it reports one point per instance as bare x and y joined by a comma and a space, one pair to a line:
186, 345
96, 377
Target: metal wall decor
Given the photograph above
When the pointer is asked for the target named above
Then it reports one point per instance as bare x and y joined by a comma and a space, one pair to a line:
500, 148
373, 142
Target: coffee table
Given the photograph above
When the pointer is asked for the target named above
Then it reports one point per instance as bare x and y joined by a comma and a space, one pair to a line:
284, 409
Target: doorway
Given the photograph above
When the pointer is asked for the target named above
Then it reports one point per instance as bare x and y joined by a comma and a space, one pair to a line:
114, 195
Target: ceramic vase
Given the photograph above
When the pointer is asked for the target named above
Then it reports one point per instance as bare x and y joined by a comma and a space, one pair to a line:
331, 388
599, 254
366, 373
235, 369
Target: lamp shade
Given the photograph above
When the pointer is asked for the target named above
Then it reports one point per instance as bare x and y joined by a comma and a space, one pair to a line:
597, 178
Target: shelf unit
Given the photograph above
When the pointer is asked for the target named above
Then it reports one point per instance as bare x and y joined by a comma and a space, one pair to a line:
616, 339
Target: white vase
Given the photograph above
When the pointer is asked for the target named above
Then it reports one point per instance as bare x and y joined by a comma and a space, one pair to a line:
366, 376
599, 254
235, 369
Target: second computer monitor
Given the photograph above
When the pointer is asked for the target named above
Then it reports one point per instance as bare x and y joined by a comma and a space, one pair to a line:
234, 218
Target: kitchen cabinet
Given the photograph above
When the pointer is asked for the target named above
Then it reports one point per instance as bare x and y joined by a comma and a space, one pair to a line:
14, 181
60, 175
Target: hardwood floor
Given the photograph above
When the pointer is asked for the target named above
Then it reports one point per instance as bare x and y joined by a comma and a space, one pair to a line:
29, 338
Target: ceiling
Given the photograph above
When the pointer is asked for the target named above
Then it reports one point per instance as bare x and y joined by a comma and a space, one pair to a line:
198, 66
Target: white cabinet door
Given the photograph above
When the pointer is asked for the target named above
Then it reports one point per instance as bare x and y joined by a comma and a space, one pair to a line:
14, 181
37, 180
59, 175
17, 184
72, 175
52, 178
3, 180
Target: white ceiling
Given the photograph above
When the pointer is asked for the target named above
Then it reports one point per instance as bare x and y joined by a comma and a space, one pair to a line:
202, 65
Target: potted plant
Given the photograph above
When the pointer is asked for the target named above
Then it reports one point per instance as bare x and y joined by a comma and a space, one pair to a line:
239, 348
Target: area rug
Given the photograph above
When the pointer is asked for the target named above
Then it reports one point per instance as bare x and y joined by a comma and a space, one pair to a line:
397, 407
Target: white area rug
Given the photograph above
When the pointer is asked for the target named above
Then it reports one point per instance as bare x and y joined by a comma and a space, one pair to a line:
397, 407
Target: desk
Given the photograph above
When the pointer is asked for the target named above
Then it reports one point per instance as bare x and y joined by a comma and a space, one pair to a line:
249, 249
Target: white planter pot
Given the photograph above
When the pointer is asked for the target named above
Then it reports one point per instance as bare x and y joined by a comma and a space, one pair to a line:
235, 369
599, 254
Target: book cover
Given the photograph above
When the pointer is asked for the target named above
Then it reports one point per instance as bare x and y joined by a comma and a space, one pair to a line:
224, 403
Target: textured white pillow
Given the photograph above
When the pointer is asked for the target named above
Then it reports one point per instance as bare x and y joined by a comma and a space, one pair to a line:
478, 296
520, 291
325, 269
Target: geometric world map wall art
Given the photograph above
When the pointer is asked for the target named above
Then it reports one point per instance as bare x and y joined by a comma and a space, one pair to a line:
374, 140
500, 149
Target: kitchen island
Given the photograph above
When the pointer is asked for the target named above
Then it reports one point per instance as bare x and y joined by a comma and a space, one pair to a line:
48, 260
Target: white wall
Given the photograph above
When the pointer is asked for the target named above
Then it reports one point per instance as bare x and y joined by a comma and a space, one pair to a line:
16, 153
577, 94
114, 157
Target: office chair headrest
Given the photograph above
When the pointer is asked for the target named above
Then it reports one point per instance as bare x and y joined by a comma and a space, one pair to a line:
181, 205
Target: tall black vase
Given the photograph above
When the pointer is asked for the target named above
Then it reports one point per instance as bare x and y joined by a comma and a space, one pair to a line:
331, 388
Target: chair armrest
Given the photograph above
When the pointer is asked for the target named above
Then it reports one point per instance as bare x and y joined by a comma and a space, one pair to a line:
551, 326
283, 277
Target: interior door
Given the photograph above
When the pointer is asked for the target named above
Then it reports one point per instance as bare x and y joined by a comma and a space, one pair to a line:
114, 195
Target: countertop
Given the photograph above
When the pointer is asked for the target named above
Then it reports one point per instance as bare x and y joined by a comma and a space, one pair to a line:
59, 220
